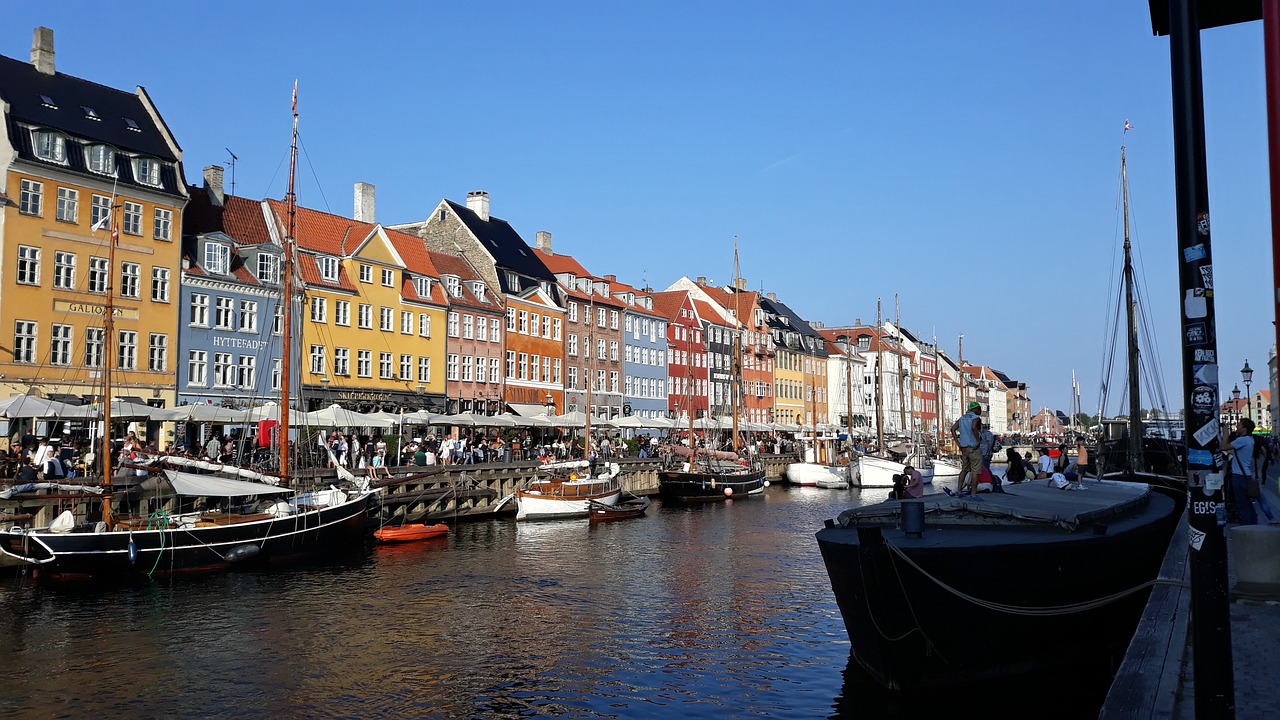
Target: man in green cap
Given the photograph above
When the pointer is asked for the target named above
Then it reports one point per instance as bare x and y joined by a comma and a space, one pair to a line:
967, 432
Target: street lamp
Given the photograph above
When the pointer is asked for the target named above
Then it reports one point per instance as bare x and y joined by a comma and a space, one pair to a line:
551, 405
1246, 372
1235, 405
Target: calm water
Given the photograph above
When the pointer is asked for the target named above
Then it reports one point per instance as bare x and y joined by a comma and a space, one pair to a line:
715, 611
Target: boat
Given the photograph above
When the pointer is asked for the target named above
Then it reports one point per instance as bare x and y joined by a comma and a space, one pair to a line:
837, 473
945, 471
699, 474
947, 592
815, 475
604, 512
412, 532
184, 522
565, 493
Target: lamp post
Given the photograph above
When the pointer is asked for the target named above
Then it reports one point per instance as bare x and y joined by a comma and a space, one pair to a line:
1234, 415
551, 405
1246, 373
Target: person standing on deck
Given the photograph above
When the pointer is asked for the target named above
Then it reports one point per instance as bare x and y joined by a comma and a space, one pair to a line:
967, 431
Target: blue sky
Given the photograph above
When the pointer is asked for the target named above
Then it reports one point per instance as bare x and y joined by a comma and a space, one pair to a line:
964, 156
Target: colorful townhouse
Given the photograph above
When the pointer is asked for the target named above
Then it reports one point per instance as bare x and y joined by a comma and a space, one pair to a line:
81, 163
644, 353
533, 381
687, 376
229, 335
846, 369
593, 335
800, 369
373, 317
887, 358
757, 351
475, 348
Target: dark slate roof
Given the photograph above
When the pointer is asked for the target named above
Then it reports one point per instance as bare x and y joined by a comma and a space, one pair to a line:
794, 322
509, 250
22, 86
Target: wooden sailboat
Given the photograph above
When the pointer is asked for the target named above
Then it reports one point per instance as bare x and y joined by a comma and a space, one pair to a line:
182, 522
700, 474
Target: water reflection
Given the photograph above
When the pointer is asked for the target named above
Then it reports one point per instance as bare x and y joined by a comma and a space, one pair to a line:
722, 610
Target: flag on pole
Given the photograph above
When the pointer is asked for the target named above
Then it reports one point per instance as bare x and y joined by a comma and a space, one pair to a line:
1127, 126
295, 98
115, 236
102, 223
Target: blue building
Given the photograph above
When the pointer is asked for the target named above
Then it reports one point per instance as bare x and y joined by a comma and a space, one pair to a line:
230, 326
644, 356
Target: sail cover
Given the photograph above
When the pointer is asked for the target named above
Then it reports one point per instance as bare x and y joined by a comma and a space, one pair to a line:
210, 485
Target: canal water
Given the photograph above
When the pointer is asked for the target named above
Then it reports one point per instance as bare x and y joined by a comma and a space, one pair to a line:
715, 611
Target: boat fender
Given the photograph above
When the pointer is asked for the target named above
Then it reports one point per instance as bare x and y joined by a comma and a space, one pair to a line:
766, 483
728, 492
241, 553
133, 552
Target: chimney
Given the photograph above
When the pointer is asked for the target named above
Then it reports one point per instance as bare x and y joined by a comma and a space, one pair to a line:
816, 325
543, 241
42, 51
702, 281
857, 322
611, 278
740, 284
478, 203
213, 183
364, 202
772, 296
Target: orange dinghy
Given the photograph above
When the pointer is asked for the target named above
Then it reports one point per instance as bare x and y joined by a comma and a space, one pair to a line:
411, 533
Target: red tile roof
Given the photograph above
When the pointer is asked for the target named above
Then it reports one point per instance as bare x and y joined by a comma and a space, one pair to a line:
311, 273
708, 313
242, 219
448, 264
668, 304
325, 233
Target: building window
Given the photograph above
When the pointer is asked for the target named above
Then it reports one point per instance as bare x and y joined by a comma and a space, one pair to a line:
64, 270
384, 366
277, 323
199, 310
68, 204
468, 327
130, 279
524, 322
481, 364
132, 224
613, 319
159, 284
99, 211
224, 313
524, 366
406, 323
60, 345
533, 324
28, 265
268, 268
93, 338
482, 328
386, 319
366, 273
162, 225
535, 371
511, 319
557, 329
572, 345
477, 289
224, 373
364, 363
546, 368
317, 360
600, 349
128, 350
342, 362
248, 316
365, 316
600, 316
197, 367
248, 371
573, 312
451, 367
466, 367
422, 286
613, 351
319, 309
511, 364
513, 281
451, 329
102, 159
158, 355
495, 332
424, 325
546, 326
50, 146
556, 378
454, 285
217, 258
276, 374
495, 370
328, 267
388, 277
572, 381
147, 171
406, 367
342, 313
424, 370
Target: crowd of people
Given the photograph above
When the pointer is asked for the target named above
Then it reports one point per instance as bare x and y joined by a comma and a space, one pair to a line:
31, 459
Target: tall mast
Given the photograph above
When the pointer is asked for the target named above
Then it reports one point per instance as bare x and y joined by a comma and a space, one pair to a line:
879, 381
937, 391
902, 402
736, 363
848, 389
108, 351
286, 274
1135, 398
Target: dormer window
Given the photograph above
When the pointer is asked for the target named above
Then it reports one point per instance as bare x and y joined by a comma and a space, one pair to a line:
453, 284
477, 289
546, 287
48, 102
102, 159
129, 122
328, 267
147, 171
217, 258
513, 281
90, 113
268, 268
50, 146
422, 286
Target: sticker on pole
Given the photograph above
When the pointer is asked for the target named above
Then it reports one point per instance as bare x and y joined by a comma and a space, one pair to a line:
1197, 333
1207, 434
1204, 373
1196, 538
1195, 305
1214, 481
1194, 253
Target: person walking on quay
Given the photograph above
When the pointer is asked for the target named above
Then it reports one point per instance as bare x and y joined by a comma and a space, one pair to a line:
967, 431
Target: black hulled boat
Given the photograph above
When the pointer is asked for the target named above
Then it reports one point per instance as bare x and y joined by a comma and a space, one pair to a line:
707, 475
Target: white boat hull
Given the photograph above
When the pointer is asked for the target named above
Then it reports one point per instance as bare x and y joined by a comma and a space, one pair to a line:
946, 471
815, 475
557, 497
874, 472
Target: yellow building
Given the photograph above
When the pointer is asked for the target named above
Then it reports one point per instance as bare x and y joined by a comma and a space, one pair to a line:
373, 318
789, 387
80, 162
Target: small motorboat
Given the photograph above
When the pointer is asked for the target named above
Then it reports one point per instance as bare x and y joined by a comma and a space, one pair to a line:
604, 512
410, 533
